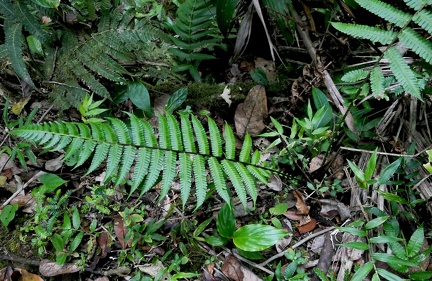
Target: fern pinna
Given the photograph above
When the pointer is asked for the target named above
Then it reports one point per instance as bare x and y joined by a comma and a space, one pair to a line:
405, 31
181, 150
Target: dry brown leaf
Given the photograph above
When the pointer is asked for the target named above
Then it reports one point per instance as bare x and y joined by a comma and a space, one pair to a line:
292, 215
54, 164
26, 201
307, 225
236, 271
24, 275
103, 242
316, 163
232, 269
301, 206
249, 115
269, 68
121, 231
6, 273
51, 268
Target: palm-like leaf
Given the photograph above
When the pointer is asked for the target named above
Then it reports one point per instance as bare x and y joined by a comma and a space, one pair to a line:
123, 147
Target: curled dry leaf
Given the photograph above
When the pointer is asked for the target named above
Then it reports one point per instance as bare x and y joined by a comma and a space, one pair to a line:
103, 242
292, 215
249, 115
50, 268
301, 206
226, 95
236, 271
24, 275
316, 163
121, 231
307, 225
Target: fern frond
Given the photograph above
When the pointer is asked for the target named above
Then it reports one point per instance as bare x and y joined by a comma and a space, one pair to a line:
14, 43
424, 19
417, 4
355, 75
385, 11
232, 173
366, 32
377, 82
418, 44
403, 73
124, 147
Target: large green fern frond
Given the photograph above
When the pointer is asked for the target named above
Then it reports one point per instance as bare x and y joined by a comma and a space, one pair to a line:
172, 154
366, 32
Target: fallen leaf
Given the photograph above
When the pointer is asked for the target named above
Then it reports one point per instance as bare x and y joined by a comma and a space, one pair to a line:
27, 276
307, 225
6, 273
26, 201
121, 231
18, 107
50, 268
54, 164
236, 271
292, 215
301, 206
154, 269
249, 115
103, 242
275, 183
268, 66
232, 269
316, 163
226, 95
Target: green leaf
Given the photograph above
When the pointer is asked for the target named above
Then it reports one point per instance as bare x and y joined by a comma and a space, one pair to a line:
75, 243
388, 275
224, 13
319, 98
76, 218
176, 99
257, 237
58, 242
416, 242
422, 275
322, 117
35, 45
277, 125
370, 167
391, 259
201, 227
353, 231
389, 171
356, 245
357, 171
51, 182
8, 214
392, 197
384, 239
137, 92
377, 82
376, 222
48, 3
279, 209
386, 11
226, 222
363, 271
216, 241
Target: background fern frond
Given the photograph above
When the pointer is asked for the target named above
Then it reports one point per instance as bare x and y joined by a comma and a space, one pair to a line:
424, 19
355, 75
417, 44
14, 44
385, 11
136, 145
366, 32
403, 73
196, 31
417, 4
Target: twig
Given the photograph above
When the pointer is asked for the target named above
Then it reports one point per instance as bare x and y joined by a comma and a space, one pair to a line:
296, 245
37, 175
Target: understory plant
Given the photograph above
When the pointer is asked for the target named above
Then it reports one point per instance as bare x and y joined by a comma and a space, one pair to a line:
183, 149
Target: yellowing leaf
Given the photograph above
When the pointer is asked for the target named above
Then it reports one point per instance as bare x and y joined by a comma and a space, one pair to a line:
18, 107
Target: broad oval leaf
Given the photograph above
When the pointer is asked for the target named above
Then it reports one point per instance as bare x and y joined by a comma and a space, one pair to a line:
257, 237
226, 222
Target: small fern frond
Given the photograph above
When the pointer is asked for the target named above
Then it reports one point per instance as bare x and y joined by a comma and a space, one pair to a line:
424, 19
14, 43
403, 73
385, 11
173, 153
377, 82
354, 76
417, 44
366, 32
